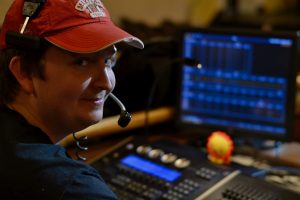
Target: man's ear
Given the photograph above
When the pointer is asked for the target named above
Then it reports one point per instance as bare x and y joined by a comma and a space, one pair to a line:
24, 79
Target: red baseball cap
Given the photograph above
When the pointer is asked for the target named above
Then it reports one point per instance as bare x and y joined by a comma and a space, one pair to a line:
81, 26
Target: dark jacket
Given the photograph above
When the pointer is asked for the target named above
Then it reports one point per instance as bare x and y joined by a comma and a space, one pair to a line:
34, 168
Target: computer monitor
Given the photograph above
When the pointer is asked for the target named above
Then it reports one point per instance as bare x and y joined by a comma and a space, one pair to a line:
245, 87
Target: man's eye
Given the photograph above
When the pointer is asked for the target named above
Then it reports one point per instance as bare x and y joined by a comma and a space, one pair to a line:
82, 62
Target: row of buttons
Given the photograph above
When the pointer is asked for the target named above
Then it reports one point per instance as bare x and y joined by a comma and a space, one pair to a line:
122, 194
205, 173
248, 192
135, 187
182, 190
151, 180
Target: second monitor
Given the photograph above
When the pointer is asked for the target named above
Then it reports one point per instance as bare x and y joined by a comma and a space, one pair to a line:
246, 85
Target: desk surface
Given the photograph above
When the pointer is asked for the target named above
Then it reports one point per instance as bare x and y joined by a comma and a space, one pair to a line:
107, 133
286, 154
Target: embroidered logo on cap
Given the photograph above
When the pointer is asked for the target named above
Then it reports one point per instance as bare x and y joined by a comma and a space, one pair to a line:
94, 7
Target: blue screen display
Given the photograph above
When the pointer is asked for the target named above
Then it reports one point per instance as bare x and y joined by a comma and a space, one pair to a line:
151, 168
243, 83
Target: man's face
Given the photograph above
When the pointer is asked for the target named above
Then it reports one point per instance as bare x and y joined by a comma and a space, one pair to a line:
72, 95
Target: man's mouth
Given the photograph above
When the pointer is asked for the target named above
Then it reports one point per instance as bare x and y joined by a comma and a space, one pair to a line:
97, 101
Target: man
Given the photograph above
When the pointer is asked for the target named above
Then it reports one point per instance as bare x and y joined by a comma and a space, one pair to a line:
56, 64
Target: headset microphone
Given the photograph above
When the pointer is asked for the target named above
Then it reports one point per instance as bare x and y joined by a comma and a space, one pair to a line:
125, 117
31, 9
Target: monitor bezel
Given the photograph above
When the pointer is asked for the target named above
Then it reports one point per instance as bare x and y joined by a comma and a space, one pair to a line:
205, 130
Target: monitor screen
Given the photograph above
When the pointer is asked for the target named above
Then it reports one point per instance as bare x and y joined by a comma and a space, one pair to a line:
245, 86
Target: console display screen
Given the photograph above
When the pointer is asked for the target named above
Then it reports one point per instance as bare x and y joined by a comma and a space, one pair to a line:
151, 168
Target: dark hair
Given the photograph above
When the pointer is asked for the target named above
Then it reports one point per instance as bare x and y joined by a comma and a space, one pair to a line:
31, 63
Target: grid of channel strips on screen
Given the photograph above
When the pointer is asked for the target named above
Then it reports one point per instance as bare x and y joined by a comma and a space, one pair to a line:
242, 83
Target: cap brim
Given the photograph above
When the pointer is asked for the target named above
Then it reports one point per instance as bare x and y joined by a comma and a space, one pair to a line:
92, 37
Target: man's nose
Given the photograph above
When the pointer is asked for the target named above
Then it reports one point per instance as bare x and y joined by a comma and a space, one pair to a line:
104, 78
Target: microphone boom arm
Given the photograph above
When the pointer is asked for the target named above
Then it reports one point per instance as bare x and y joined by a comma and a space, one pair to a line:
125, 117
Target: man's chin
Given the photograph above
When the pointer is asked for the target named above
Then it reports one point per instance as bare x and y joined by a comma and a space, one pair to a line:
87, 123
94, 120
89, 119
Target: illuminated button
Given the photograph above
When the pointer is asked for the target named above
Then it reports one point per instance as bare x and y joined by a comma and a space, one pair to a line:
155, 153
129, 146
168, 158
182, 163
143, 149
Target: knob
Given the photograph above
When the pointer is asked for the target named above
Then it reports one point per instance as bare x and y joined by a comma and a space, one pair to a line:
182, 163
129, 146
142, 149
155, 153
168, 158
